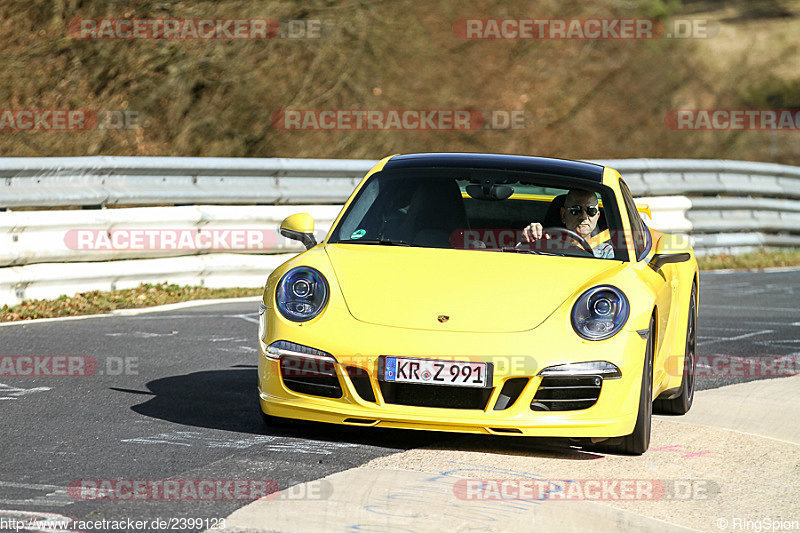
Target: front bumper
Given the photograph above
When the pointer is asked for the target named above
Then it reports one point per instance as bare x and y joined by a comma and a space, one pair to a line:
613, 414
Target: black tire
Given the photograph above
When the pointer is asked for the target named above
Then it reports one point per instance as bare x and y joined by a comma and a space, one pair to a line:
681, 404
637, 442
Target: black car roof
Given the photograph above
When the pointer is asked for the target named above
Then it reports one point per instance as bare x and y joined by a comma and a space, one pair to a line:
520, 163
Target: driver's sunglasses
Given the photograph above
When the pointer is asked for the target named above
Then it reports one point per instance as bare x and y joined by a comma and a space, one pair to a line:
575, 210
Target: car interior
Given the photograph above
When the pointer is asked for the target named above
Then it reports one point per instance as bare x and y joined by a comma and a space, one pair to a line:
428, 213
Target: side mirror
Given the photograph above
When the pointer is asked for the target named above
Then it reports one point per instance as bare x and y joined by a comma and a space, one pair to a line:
645, 210
660, 260
299, 227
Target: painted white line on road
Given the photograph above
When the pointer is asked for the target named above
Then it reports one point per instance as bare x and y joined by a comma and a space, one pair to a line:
671, 420
237, 349
185, 305
56, 495
775, 344
34, 501
141, 334
195, 315
765, 323
265, 442
139, 311
32, 486
248, 318
736, 338
751, 271
7, 392
782, 309
724, 328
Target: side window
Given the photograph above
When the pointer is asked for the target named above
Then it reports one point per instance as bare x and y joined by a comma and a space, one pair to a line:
637, 226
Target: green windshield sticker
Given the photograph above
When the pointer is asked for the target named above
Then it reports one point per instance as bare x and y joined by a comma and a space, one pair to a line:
357, 234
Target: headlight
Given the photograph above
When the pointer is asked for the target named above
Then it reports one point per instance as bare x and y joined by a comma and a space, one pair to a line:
600, 313
302, 294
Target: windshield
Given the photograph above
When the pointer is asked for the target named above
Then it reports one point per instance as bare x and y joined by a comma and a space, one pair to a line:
485, 210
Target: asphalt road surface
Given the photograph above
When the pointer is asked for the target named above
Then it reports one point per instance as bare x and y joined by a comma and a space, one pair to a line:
174, 397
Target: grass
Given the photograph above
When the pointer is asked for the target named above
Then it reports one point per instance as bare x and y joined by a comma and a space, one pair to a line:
593, 99
96, 302
148, 295
751, 261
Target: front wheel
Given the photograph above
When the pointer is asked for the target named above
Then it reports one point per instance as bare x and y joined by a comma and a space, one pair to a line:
637, 442
680, 404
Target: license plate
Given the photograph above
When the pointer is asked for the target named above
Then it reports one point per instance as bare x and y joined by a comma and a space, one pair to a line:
436, 372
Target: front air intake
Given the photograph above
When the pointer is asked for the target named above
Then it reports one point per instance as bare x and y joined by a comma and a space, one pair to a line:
511, 390
361, 383
312, 375
567, 393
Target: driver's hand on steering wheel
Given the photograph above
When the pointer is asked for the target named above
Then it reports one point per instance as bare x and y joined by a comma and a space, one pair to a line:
533, 232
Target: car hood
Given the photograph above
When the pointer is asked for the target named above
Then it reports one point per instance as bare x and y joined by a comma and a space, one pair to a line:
479, 291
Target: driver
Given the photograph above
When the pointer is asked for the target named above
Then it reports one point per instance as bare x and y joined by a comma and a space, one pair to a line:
579, 214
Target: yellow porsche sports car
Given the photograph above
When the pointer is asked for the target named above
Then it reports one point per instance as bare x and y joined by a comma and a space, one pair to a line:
492, 294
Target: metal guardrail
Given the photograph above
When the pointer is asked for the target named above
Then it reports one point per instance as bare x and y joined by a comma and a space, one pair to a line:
694, 177
67, 236
730, 206
734, 206
726, 196
50, 280
126, 181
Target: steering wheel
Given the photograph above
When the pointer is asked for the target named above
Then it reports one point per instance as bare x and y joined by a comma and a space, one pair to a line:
569, 233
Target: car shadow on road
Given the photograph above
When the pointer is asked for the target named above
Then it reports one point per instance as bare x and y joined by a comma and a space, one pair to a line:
227, 400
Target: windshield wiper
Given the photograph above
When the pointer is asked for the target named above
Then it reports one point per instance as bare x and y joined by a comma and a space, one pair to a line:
524, 251
382, 242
